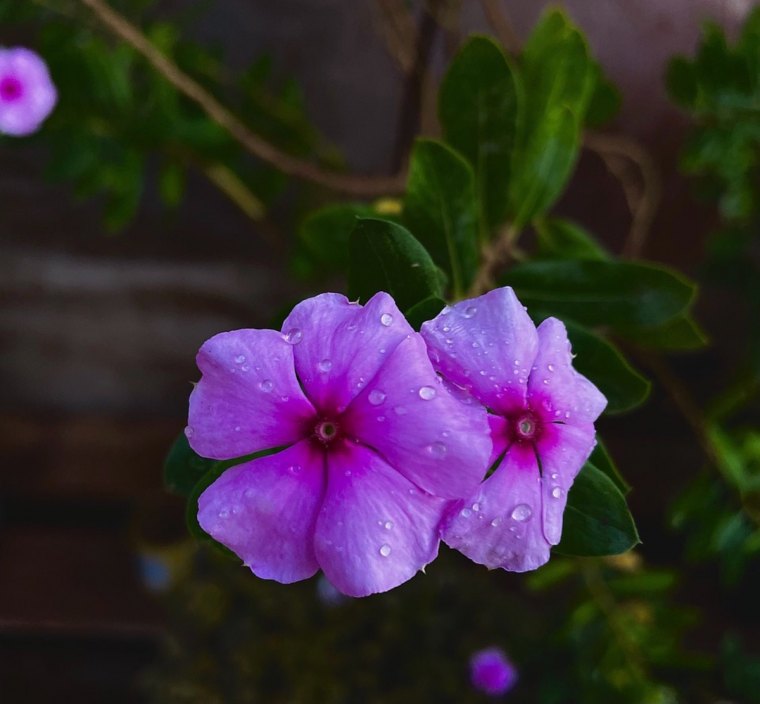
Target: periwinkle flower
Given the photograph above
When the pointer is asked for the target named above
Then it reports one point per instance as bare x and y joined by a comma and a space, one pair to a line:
491, 672
27, 94
541, 413
373, 442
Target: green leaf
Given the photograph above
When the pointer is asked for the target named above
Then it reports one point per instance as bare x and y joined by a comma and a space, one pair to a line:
601, 459
564, 239
603, 364
385, 256
680, 333
559, 78
424, 311
605, 100
597, 520
183, 467
324, 234
441, 209
478, 109
171, 184
621, 295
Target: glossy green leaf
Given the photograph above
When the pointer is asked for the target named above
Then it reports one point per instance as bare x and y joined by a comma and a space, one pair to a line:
602, 460
602, 363
597, 520
605, 100
680, 333
564, 239
441, 210
385, 256
620, 295
478, 109
424, 311
324, 234
183, 467
559, 79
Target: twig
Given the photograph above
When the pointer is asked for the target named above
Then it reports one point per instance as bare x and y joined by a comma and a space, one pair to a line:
642, 194
365, 186
494, 257
502, 26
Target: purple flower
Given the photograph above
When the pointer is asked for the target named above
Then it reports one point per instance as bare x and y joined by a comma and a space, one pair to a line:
373, 445
542, 415
492, 672
27, 95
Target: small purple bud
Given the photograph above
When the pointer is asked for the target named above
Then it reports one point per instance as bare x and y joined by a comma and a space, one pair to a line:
492, 672
27, 94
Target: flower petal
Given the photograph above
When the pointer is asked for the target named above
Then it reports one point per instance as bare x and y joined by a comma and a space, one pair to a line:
339, 346
500, 524
265, 512
485, 344
555, 386
375, 529
562, 450
248, 398
23, 114
406, 413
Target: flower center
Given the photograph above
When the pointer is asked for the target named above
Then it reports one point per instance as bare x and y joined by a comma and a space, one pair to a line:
10, 88
326, 431
526, 426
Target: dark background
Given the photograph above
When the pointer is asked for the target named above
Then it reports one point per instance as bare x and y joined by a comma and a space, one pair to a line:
98, 332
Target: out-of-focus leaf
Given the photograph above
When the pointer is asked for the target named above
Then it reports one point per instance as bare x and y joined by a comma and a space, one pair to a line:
171, 184
601, 459
680, 333
597, 520
478, 108
423, 311
441, 210
384, 256
183, 468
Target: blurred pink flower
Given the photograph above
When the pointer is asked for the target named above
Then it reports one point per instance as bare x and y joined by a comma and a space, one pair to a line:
27, 94
491, 672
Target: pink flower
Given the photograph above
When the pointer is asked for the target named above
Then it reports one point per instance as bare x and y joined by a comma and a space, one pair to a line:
373, 445
492, 672
27, 95
542, 415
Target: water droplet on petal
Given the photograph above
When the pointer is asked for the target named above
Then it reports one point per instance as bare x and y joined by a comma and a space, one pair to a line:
400, 410
521, 512
266, 385
325, 365
388, 525
237, 428
557, 492
224, 513
385, 550
294, 468
189, 432
550, 367
465, 513
496, 522
376, 397
436, 449
470, 311
426, 393
554, 476
386, 319
380, 419
476, 506
293, 336
240, 359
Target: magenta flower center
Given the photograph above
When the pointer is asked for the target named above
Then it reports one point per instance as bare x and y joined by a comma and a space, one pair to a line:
326, 431
11, 88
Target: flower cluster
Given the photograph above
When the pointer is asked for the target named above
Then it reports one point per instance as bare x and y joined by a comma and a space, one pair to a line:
383, 438
27, 94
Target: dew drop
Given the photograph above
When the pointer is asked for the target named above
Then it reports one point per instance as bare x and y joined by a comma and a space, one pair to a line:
325, 365
446, 328
189, 432
557, 492
496, 522
546, 381
521, 512
388, 525
380, 419
400, 410
240, 359
376, 397
293, 336
475, 345
294, 468
385, 550
465, 513
554, 476
224, 513
426, 393
237, 428
436, 449
476, 507
550, 367
470, 311
386, 319
266, 385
